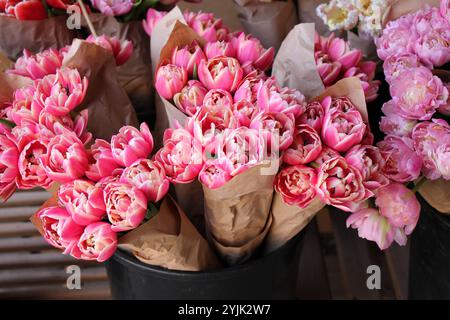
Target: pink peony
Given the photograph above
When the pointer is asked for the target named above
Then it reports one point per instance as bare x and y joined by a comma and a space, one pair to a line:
395, 65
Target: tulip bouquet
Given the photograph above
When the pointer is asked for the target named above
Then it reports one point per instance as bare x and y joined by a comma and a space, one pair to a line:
417, 142
46, 104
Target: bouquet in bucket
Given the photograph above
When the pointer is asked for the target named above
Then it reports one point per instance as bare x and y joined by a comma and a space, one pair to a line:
416, 145
52, 105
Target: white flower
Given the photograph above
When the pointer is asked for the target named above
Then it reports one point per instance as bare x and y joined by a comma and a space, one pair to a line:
338, 14
370, 15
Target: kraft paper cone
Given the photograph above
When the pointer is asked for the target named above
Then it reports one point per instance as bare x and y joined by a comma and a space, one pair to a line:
295, 66
9, 83
400, 8
169, 240
237, 213
5, 63
350, 88
35, 36
307, 13
108, 104
269, 21
437, 194
288, 221
135, 76
51, 202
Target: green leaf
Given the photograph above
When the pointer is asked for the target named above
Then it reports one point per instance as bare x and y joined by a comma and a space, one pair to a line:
7, 123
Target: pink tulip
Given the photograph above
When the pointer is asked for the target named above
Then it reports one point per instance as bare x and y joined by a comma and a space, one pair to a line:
395, 65
278, 124
32, 174
341, 129
25, 107
152, 18
417, 94
369, 161
373, 226
432, 143
113, 7
98, 242
403, 164
39, 65
339, 51
114, 177
181, 156
121, 50
326, 154
220, 73
149, 177
216, 113
126, 206
83, 200
244, 111
130, 144
101, 161
9, 158
188, 58
329, 72
66, 158
313, 116
306, 146
191, 97
219, 48
170, 79
206, 26
58, 228
399, 205
215, 173
62, 93
340, 185
249, 50
248, 88
294, 183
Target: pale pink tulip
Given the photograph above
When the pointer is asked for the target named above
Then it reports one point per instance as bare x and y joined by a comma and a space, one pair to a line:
170, 79
294, 183
279, 124
9, 159
249, 50
152, 18
83, 200
25, 106
215, 173
131, 144
403, 164
248, 88
219, 48
340, 185
244, 111
121, 50
399, 205
149, 177
305, 148
220, 73
126, 206
313, 116
113, 7
98, 242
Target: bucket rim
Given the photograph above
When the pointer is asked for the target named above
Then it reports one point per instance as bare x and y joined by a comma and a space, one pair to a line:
126, 258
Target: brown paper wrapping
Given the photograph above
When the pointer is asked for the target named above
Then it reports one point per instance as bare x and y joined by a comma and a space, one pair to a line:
288, 221
169, 240
169, 33
269, 21
35, 36
238, 214
51, 202
437, 194
9, 83
108, 105
5, 63
135, 76
307, 13
295, 66
400, 8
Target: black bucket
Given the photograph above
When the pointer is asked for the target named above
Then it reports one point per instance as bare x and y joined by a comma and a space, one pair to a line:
429, 266
273, 276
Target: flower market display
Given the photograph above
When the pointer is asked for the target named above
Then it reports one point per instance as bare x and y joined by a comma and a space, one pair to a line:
168, 140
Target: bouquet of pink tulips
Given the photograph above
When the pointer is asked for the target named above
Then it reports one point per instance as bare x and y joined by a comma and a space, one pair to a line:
113, 202
47, 102
417, 142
